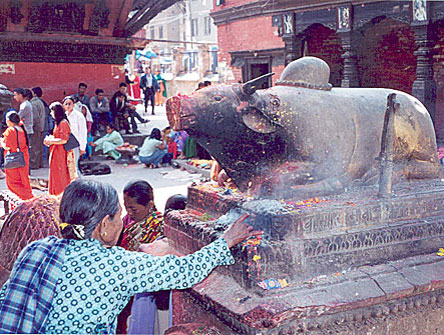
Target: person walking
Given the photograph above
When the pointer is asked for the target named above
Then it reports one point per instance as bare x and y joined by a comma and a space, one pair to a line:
77, 123
14, 137
59, 176
150, 86
38, 125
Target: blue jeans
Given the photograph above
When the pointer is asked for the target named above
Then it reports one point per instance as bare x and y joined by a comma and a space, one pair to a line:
96, 118
154, 159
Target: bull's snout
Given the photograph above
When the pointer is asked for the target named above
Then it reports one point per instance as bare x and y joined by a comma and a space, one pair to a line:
180, 113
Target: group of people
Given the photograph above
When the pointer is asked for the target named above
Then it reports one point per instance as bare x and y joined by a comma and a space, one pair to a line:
44, 129
88, 281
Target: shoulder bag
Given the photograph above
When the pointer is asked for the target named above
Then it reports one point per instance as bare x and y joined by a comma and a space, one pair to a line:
14, 160
72, 142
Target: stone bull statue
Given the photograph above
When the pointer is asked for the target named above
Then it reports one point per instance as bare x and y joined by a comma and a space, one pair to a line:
302, 137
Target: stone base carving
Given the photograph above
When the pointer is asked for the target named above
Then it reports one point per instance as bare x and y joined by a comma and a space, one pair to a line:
354, 263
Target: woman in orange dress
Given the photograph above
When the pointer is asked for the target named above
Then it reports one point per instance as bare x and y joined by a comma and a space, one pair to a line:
59, 176
17, 179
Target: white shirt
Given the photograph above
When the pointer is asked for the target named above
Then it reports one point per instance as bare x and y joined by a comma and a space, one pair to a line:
77, 122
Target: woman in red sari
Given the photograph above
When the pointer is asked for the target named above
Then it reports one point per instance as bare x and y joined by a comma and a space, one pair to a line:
17, 179
59, 176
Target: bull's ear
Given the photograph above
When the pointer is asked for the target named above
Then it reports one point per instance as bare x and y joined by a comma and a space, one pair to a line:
258, 122
251, 86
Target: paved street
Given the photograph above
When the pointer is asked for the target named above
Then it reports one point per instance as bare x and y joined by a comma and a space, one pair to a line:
165, 181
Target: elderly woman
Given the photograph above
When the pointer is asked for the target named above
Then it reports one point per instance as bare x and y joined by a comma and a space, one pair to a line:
109, 142
80, 283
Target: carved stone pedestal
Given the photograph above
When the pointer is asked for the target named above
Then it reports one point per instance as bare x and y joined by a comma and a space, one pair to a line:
354, 264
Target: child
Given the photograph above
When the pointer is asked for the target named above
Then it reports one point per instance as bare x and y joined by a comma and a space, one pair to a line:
172, 149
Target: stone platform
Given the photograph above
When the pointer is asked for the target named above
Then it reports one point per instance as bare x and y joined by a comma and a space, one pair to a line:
345, 258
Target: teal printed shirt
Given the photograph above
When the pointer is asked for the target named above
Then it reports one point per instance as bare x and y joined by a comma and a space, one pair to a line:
97, 282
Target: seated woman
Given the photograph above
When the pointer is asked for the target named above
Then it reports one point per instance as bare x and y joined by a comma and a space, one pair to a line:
109, 142
153, 149
88, 281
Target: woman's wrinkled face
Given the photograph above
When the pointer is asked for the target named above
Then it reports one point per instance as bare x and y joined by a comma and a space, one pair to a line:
136, 212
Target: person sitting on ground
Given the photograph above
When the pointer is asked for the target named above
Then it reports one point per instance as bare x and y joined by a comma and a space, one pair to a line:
172, 150
153, 149
122, 107
100, 109
109, 142
88, 281
80, 95
120, 112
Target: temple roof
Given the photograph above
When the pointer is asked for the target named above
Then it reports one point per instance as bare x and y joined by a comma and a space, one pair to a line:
143, 11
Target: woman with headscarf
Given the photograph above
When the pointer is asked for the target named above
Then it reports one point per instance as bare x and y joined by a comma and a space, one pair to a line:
153, 149
15, 139
88, 281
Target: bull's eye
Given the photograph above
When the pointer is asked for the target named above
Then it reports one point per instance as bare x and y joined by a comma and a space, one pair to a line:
217, 97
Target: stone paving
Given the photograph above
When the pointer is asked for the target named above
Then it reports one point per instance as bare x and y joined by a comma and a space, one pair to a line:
166, 181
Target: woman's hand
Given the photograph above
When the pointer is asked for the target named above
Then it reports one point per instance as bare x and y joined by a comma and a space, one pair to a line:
157, 248
47, 142
239, 231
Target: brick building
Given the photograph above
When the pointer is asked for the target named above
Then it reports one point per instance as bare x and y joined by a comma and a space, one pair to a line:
393, 44
185, 40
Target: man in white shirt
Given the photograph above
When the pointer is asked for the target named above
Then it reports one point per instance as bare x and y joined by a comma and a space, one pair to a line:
77, 123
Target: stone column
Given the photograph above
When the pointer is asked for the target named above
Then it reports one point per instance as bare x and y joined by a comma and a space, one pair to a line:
293, 44
293, 48
424, 87
350, 74
344, 30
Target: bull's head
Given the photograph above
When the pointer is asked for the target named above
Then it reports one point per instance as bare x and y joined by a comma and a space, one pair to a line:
233, 123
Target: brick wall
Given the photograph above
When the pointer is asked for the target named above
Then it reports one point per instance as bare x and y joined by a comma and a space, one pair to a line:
252, 34
385, 55
58, 79
323, 43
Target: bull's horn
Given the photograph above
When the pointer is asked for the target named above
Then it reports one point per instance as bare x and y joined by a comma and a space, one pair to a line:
251, 86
